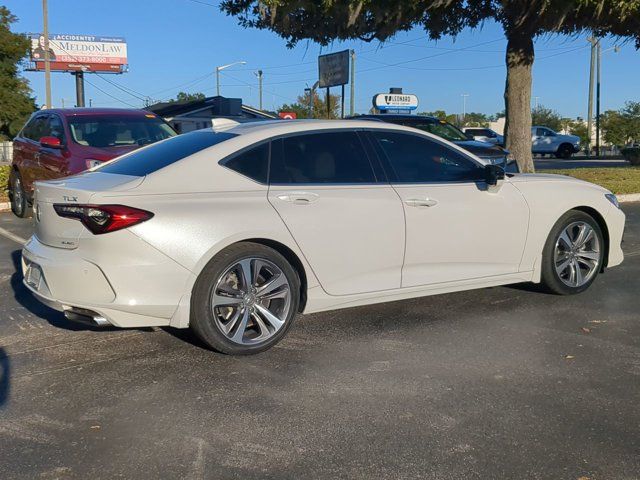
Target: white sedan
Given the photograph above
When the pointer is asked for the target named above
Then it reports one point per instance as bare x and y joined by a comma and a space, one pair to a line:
232, 233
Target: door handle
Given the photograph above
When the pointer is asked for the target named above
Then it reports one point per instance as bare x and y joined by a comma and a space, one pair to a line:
299, 198
421, 202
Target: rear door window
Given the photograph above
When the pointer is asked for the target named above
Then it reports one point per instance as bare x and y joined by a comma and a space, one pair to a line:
154, 157
320, 158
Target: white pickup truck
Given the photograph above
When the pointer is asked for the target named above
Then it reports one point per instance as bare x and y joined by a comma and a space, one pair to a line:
545, 140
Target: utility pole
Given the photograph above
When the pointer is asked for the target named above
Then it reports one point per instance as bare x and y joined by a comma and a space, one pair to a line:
259, 75
593, 41
352, 97
47, 60
536, 102
598, 100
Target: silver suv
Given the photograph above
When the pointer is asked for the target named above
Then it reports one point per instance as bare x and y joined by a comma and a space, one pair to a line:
545, 140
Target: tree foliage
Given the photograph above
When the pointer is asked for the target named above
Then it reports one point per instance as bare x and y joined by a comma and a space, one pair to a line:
319, 108
188, 97
622, 127
546, 117
16, 102
324, 21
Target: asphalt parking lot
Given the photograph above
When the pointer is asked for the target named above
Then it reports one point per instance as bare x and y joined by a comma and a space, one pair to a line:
495, 383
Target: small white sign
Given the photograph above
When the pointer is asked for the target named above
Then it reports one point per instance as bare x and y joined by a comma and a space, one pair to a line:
395, 101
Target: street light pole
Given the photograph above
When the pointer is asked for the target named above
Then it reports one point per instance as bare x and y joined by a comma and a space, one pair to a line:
464, 106
599, 50
593, 41
219, 69
47, 59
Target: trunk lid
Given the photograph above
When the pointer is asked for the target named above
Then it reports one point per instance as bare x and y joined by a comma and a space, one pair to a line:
59, 232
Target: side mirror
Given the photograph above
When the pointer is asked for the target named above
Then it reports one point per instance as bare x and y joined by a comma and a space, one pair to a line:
493, 174
50, 142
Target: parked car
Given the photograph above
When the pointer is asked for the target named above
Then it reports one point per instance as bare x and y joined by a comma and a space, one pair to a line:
270, 219
482, 134
61, 142
491, 153
546, 141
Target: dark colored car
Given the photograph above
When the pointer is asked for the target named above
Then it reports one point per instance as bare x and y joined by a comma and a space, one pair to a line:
57, 143
491, 153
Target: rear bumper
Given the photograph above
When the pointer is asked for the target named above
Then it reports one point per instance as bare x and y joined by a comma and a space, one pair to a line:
138, 287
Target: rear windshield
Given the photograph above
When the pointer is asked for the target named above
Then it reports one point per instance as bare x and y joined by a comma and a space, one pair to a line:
154, 157
104, 131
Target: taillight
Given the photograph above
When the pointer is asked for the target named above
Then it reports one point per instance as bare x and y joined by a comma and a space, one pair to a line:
103, 218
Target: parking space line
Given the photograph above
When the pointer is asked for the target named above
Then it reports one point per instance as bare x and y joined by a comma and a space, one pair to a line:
12, 236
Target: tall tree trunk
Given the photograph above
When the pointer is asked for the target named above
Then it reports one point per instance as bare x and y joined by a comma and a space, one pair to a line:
517, 99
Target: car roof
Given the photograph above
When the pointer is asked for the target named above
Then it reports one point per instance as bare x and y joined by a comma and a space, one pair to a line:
281, 127
69, 112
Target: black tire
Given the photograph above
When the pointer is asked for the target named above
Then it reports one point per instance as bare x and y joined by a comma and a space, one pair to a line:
203, 315
18, 196
565, 151
551, 279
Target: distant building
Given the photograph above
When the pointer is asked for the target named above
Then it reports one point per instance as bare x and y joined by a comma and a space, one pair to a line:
196, 114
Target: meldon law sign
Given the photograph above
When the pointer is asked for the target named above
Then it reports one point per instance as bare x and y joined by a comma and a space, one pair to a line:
395, 102
80, 53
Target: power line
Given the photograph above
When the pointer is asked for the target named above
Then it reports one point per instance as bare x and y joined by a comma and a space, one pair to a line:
109, 95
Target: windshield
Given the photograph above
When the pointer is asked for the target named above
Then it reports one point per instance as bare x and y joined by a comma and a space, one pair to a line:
104, 131
442, 129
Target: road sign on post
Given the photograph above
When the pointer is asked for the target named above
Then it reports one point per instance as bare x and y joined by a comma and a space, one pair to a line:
333, 71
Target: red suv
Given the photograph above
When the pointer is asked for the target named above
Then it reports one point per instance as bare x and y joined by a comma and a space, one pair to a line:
60, 142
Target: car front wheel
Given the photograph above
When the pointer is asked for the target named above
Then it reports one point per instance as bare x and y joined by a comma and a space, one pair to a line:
573, 254
18, 196
564, 151
245, 299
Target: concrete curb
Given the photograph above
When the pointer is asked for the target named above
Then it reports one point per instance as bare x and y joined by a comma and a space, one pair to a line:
629, 197
5, 207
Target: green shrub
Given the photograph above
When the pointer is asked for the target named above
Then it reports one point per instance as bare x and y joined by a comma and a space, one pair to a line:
632, 154
4, 182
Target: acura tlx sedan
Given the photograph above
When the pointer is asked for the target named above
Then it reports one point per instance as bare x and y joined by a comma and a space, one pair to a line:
232, 233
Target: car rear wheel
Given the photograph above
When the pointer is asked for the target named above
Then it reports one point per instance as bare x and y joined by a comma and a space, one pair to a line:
18, 196
245, 299
564, 151
573, 254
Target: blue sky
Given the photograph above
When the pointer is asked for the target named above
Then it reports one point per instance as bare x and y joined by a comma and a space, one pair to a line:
175, 45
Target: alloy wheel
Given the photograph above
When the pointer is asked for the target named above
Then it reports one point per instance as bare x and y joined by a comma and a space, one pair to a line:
251, 301
17, 196
577, 254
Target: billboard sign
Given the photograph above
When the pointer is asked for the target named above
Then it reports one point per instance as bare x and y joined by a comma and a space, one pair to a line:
87, 53
333, 69
395, 101
288, 115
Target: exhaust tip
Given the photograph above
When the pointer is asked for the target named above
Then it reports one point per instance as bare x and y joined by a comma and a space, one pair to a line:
85, 316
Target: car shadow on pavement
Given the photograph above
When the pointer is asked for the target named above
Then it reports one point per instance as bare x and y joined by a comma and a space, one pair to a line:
186, 335
4, 377
24, 297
